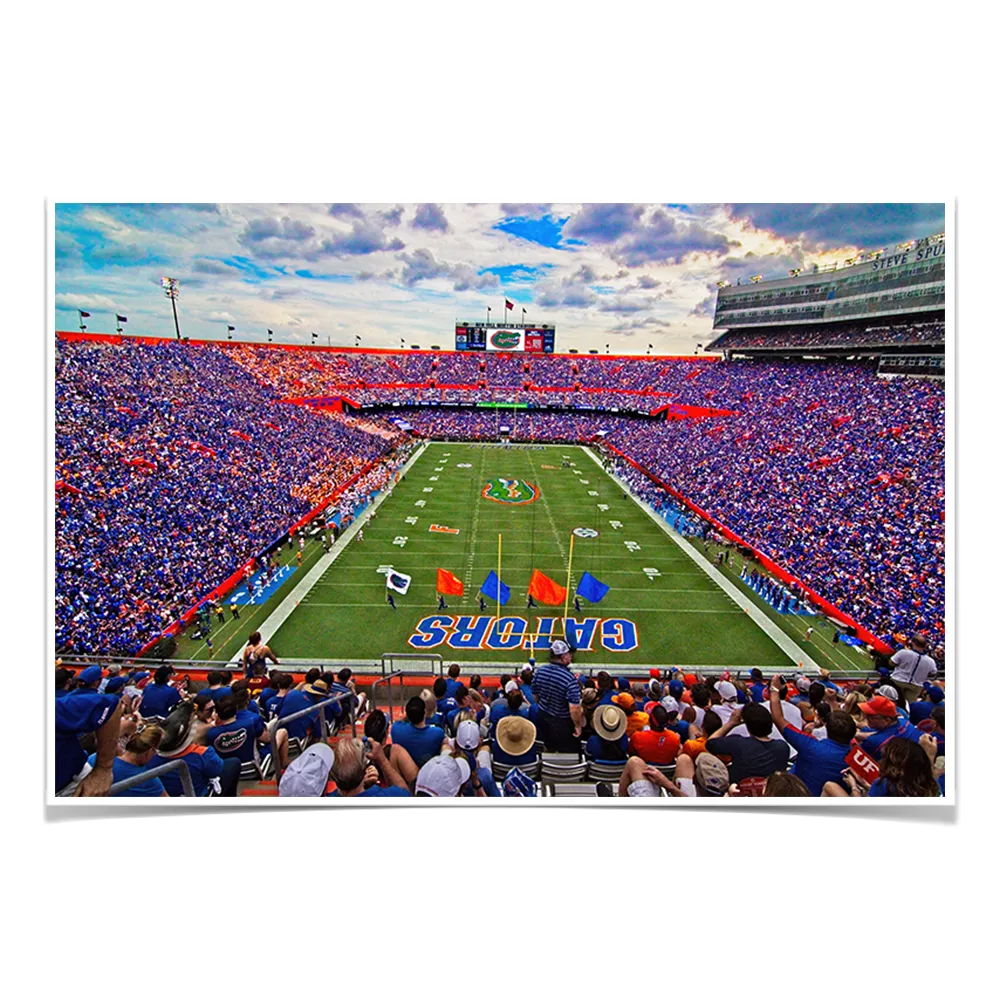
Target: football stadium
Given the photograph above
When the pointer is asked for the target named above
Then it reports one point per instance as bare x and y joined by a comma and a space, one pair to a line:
505, 568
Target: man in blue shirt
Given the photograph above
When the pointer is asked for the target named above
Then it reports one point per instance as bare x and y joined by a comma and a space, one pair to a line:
527, 674
445, 702
921, 710
609, 744
883, 724
557, 694
758, 689
158, 698
513, 705
236, 733
818, 761
419, 740
452, 683
80, 712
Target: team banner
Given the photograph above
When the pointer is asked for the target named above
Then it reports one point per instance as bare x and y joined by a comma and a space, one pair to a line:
505, 340
399, 582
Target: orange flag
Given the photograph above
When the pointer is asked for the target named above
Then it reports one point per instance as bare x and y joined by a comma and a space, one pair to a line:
448, 583
545, 590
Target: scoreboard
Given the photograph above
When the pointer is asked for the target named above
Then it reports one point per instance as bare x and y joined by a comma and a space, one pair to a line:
512, 337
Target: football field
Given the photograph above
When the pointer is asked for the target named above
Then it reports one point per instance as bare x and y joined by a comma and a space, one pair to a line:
668, 603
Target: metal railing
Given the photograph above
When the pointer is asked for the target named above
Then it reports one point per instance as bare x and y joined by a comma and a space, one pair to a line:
387, 680
388, 660
282, 723
139, 779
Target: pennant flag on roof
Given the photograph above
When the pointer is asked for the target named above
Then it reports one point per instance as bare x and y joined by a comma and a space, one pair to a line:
508, 303
121, 319
591, 589
545, 590
490, 589
84, 315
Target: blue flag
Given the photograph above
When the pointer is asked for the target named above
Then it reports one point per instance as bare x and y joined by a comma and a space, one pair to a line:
591, 589
489, 588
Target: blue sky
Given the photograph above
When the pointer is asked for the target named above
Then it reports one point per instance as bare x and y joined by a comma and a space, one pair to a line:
627, 275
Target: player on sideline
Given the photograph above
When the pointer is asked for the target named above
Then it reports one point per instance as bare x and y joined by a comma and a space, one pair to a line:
361, 534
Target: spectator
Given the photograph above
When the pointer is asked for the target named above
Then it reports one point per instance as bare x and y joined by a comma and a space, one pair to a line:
357, 770
932, 696
639, 780
911, 668
134, 759
557, 694
635, 720
308, 776
81, 712
710, 724
420, 740
783, 784
658, 744
707, 776
817, 761
159, 698
444, 776
452, 682
514, 705
255, 656
755, 755
445, 702
609, 744
271, 705
906, 771
207, 769
63, 677
883, 724
674, 724
514, 742
238, 732
527, 674
728, 698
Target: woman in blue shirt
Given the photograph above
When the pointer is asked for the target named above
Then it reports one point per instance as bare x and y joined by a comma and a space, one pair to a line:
139, 751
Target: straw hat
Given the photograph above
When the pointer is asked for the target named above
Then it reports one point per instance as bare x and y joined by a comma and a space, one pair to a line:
515, 735
610, 722
318, 687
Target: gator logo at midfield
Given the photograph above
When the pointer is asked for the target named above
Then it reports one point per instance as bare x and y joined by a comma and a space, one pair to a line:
517, 491
505, 340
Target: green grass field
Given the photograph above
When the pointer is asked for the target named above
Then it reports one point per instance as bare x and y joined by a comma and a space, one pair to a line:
681, 614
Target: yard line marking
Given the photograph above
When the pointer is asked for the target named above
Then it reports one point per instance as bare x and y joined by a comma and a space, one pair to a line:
475, 530
778, 636
552, 523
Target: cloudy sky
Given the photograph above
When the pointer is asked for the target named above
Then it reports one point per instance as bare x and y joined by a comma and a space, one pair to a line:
621, 274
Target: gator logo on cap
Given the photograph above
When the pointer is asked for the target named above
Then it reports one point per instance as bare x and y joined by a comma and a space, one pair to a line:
505, 340
516, 491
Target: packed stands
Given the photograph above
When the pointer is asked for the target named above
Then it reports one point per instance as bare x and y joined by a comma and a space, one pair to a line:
173, 467
544, 729
175, 463
868, 335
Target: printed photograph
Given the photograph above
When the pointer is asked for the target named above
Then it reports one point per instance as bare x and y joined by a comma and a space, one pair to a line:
548, 501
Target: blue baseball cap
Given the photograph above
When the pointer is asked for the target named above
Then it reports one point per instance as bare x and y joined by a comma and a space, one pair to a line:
623, 684
935, 694
114, 685
676, 688
517, 783
140, 676
91, 675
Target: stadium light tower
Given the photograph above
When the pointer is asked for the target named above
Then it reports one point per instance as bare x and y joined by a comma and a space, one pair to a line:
171, 288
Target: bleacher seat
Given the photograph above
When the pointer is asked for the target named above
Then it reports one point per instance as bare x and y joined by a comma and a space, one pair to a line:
562, 767
605, 772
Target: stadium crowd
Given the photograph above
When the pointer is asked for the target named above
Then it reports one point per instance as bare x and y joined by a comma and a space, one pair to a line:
852, 335
175, 463
173, 467
675, 733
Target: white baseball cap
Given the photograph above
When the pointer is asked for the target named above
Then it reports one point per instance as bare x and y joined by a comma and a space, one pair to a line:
308, 774
560, 648
671, 704
888, 691
511, 685
467, 735
727, 691
442, 777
